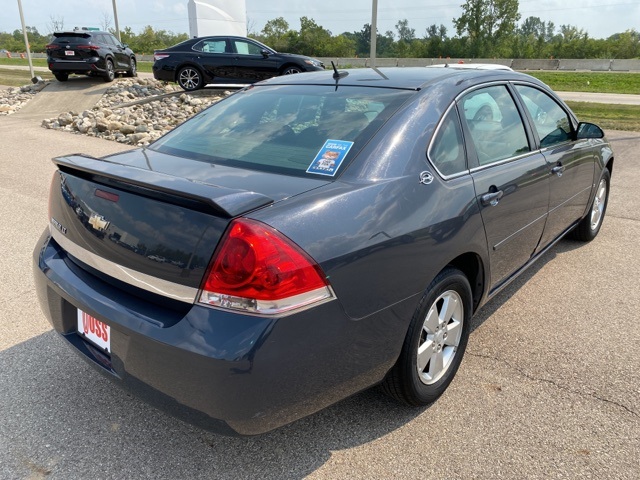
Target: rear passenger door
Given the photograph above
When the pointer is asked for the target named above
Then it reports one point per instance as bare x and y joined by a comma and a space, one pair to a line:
215, 57
511, 181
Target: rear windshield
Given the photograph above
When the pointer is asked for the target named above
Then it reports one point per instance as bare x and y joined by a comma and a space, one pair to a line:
302, 130
71, 38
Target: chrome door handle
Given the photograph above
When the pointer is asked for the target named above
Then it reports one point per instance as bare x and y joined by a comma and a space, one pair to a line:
491, 199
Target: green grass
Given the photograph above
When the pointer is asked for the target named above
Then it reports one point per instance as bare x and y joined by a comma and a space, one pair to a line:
609, 117
18, 78
37, 62
596, 82
42, 62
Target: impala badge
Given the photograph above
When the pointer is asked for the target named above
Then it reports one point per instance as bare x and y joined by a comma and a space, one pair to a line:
426, 178
58, 225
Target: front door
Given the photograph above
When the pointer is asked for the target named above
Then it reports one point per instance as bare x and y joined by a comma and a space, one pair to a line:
571, 163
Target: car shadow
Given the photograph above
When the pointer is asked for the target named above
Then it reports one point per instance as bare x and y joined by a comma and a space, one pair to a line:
58, 414
486, 311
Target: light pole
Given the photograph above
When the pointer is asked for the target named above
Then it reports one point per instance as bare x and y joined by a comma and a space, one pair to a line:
115, 18
374, 32
26, 42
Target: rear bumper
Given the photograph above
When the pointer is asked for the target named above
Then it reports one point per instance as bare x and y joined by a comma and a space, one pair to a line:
83, 66
166, 73
226, 372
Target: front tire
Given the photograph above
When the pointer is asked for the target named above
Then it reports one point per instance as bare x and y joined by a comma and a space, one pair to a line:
589, 226
190, 78
435, 342
291, 70
110, 73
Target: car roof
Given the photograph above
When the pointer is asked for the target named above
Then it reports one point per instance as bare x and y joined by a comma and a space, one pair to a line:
411, 78
473, 66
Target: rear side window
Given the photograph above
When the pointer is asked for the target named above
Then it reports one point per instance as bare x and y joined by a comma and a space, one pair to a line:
447, 150
211, 46
549, 119
285, 129
495, 125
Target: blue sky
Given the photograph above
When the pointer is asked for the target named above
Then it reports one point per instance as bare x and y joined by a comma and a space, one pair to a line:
600, 18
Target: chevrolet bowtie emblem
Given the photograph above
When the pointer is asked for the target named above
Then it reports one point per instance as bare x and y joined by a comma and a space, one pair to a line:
98, 222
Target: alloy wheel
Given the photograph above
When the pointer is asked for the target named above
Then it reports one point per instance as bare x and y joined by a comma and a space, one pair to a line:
440, 337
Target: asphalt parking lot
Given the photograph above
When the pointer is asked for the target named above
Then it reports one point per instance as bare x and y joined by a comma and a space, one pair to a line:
549, 387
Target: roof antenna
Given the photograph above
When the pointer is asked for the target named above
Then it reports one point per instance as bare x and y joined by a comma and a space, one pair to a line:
336, 73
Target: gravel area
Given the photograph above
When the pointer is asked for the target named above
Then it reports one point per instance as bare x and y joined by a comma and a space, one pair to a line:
134, 111
13, 99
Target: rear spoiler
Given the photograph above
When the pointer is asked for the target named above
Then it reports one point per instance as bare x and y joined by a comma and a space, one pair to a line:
195, 195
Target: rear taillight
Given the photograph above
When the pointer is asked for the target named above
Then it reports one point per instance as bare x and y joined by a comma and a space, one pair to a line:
51, 46
95, 48
258, 270
159, 56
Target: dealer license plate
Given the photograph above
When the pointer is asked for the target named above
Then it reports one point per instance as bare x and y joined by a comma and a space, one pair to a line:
94, 330
69, 53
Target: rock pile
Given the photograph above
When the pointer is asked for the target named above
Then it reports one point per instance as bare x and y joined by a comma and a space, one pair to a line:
125, 116
13, 99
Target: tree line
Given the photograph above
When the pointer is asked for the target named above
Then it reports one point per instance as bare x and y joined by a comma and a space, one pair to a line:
485, 29
146, 41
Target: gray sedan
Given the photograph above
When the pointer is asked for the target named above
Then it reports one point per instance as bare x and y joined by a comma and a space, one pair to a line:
320, 234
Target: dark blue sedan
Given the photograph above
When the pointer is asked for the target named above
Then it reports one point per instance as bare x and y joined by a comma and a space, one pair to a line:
312, 236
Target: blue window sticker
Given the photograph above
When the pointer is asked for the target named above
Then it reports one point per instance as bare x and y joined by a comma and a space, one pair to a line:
330, 157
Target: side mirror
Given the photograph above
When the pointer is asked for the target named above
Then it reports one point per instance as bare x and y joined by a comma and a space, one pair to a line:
588, 130
265, 53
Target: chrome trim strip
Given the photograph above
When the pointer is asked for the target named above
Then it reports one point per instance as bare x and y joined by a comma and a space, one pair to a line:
510, 237
277, 308
571, 198
503, 161
131, 277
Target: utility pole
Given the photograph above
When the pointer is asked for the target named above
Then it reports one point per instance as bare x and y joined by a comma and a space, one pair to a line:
374, 32
26, 42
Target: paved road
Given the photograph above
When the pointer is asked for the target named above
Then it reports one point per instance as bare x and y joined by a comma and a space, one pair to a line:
549, 388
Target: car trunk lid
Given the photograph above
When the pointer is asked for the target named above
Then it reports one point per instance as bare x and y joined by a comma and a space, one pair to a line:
146, 229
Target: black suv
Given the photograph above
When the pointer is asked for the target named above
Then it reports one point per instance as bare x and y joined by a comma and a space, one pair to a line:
89, 52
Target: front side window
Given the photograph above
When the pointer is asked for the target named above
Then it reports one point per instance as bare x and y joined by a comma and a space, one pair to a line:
495, 125
447, 150
283, 128
247, 48
549, 119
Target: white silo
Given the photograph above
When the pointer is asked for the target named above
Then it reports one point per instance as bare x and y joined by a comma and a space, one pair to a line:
217, 17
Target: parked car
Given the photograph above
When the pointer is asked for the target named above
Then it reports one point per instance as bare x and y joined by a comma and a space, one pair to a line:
89, 52
340, 229
228, 60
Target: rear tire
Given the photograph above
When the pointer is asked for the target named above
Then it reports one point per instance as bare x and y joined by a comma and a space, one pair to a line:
133, 68
435, 343
190, 78
110, 73
61, 77
589, 226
